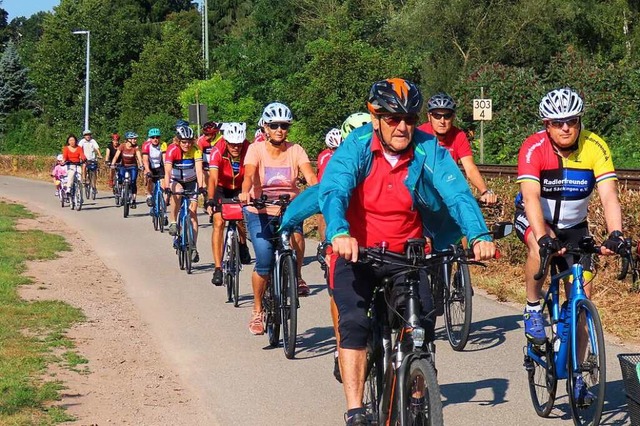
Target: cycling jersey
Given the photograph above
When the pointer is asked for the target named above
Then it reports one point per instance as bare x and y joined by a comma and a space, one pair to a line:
323, 159
183, 164
566, 184
230, 170
205, 146
155, 154
455, 141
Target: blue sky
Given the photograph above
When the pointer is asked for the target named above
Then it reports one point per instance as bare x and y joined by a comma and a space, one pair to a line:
16, 8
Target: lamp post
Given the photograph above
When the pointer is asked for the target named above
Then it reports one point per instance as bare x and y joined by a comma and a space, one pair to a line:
86, 89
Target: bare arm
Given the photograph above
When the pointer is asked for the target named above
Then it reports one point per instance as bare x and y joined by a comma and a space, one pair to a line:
533, 208
473, 174
247, 182
115, 157
608, 191
309, 175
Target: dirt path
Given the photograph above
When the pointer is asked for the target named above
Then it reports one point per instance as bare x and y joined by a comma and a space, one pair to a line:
128, 381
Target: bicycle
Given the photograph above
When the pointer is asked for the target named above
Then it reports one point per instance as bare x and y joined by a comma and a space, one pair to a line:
124, 197
280, 299
92, 177
184, 241
401, 385
559, 358
158, 211
62, 196
75, 195
231, 265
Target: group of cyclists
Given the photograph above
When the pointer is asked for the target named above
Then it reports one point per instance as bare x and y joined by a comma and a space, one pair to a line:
383, 179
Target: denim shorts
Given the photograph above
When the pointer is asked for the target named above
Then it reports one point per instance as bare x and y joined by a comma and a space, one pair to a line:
262, 230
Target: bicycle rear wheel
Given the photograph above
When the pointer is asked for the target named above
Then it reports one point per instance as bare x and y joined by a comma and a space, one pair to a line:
289, 305
586, 405
424, 403
189, 243
458, 306
272, 312
542, 377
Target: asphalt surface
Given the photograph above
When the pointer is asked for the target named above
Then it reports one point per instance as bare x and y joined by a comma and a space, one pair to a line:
242, 381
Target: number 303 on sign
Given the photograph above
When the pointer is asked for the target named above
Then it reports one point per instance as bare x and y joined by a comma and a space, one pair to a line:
482, 109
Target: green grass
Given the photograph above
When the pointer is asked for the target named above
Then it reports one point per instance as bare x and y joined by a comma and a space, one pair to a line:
29, 331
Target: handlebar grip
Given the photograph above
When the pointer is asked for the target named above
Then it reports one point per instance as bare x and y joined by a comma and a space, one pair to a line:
625, 267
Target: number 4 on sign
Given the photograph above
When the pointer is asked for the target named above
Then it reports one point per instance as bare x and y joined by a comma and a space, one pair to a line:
482, 109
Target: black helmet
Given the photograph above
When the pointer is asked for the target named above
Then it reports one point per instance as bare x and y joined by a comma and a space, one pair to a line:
441, 101
394, 96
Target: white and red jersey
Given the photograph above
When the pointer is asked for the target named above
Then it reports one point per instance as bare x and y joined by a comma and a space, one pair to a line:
154, 152
323, 160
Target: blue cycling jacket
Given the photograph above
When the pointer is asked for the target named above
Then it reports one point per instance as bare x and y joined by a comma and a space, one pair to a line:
439, 190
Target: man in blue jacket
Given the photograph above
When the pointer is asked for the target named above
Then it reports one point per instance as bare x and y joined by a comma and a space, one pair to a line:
388, 182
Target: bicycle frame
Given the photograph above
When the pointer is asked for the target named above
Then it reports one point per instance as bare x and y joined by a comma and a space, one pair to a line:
183, 215
553, 298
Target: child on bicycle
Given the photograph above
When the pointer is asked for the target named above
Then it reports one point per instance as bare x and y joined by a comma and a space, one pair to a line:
59, 174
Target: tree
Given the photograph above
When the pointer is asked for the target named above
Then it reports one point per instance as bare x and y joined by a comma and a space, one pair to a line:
16, 92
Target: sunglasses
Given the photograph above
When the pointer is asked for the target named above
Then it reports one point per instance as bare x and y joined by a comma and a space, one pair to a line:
438, 116
283, 126
559, 124
155, 137
186, 141
395, 120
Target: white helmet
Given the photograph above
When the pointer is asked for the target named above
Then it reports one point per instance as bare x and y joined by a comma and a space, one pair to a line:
235, 133
277, 112
261, 122
561, 103
333, 138
59, 157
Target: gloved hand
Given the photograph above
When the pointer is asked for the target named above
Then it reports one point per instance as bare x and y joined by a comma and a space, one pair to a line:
167, 191
202, 191
552, 245
615, 242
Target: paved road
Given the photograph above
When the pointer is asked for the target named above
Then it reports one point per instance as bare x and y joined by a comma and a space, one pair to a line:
244, 382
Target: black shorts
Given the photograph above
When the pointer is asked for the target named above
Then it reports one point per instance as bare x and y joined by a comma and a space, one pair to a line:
353, 285
222, 192
157, 174
571, 236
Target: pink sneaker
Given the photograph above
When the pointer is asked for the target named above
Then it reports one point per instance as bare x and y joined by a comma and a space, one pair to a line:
256, 325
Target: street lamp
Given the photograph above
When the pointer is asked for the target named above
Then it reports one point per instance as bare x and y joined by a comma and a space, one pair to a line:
86, 89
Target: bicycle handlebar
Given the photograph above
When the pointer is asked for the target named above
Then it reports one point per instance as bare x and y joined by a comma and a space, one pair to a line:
586, 246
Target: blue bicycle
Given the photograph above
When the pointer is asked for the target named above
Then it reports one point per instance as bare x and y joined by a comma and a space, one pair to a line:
158, 211
184, 241
574, 349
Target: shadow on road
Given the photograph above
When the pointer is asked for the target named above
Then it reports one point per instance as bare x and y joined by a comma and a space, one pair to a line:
465, 392
315, 342
488, 333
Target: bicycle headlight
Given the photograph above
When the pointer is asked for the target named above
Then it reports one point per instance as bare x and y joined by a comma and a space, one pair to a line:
418, 337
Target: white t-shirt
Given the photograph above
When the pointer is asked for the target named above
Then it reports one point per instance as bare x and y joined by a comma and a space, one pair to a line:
89, 147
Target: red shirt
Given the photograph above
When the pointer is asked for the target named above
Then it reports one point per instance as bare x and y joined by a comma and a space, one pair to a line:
230, 175
323, 160
205, 146
73, 156
455, 141
128, 155
381, 207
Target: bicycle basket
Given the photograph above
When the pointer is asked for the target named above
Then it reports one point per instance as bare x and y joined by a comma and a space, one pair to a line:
630, 365
231, 211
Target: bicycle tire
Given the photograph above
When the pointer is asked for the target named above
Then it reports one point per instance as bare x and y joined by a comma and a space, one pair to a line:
271, 307
79, 197
421, 378
289, 305
62, 197
154, 219
542, 380
593, 370
125, 199
189, 244
162, 210
458, 306
87, 190
235, 258
373, 383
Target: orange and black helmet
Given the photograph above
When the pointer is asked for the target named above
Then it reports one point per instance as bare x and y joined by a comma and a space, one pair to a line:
394, 96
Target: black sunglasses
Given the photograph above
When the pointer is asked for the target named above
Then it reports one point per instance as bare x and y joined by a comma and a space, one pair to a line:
283, 126
395, 120
438, 116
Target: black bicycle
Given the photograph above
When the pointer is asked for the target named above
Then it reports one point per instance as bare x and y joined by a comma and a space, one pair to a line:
280, 300
92, 178
401, 386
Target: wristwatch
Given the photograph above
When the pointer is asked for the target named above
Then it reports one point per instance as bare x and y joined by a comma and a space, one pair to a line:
488, 191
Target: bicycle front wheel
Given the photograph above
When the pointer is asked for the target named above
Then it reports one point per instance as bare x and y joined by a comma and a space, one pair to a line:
424, 403
189, 243
289, 305
587, 381
542, 375
161, 210
235, 259
458, 306
79, 197
125, 199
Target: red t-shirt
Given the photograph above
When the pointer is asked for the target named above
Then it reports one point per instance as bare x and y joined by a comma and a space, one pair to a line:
455, 141
230, 170
323, 160
73, 156
128, 155
381, 207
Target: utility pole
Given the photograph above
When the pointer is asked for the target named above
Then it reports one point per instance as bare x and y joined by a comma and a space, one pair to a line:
205, 37
86, 88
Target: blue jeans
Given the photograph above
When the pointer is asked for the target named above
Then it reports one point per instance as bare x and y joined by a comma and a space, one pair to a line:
133, 173
262, 229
